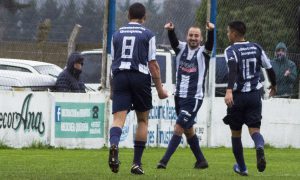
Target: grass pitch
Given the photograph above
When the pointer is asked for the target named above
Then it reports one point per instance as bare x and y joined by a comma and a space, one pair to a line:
92, 164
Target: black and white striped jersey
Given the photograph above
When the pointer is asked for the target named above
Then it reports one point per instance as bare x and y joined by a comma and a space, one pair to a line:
192, 66
249, 58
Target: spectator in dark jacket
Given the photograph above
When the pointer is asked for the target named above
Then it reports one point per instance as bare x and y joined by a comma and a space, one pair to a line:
285, 70
68, 80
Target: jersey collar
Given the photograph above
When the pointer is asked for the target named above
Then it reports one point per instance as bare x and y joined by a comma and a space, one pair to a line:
134, 23
245, 42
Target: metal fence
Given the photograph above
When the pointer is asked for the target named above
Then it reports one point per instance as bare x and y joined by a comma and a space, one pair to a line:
268, 23
23, 31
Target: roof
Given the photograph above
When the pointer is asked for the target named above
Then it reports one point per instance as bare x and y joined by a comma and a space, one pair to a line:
23, 61
92, 51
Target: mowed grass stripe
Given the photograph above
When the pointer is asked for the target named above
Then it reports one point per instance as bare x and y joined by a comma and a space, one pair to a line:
92, 164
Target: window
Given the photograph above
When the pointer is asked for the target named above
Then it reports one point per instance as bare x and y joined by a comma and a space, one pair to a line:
13, 68
48, 70
221, 70
91, 69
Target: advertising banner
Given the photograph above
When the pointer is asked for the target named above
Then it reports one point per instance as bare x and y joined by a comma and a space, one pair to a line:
78, 120
24, 118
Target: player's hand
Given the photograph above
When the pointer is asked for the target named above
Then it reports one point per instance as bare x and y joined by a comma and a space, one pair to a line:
229, 98
169, 26
273, 90
163, 94
210, 26
287, 72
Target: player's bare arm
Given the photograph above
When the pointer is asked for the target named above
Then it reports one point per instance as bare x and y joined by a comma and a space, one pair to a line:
111, 88
272, 76
155, 72
229, 98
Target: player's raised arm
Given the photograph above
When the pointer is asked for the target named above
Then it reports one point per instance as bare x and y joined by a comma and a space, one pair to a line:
210, 36
172, 36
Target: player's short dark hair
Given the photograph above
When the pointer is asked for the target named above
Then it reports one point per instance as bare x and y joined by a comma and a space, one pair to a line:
137, 11
195, 26
238, 26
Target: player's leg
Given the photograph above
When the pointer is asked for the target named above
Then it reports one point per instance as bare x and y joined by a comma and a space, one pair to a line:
192, 138
235, 119
259, 146
140, 141
172, 146
115, 134
253, 116
120, 105
193, 141
116, 127
186, 108
237, 149
175, 140
142, 103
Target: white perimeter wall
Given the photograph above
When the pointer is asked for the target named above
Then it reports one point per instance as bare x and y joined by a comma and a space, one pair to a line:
37, 122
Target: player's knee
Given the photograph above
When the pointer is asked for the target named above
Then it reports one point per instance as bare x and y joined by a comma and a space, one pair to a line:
178, 130
142, 121
253, 130
189, 133
236, 133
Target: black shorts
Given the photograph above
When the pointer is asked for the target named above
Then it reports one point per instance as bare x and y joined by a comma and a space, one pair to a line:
131, 90
246, 110
186, 110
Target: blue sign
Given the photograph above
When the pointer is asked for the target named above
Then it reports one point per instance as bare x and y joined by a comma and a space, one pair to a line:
57, 113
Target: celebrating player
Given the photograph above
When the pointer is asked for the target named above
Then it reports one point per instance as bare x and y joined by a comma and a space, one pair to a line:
243, 98
192, 61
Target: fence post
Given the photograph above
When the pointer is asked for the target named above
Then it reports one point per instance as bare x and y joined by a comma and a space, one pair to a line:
72, 39
298, 27
108, 29
212, 13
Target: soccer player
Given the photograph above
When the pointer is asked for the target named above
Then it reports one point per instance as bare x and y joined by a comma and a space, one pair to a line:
243, 98
192, 61
133, 59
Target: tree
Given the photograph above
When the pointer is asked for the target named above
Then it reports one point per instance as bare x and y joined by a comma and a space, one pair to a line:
8, 20
123, 7
179, 12
11, 26
268, 22
29, 19
153, 19
91, 20
12, 5
152, 7
67, 21
50, 10
122, 12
